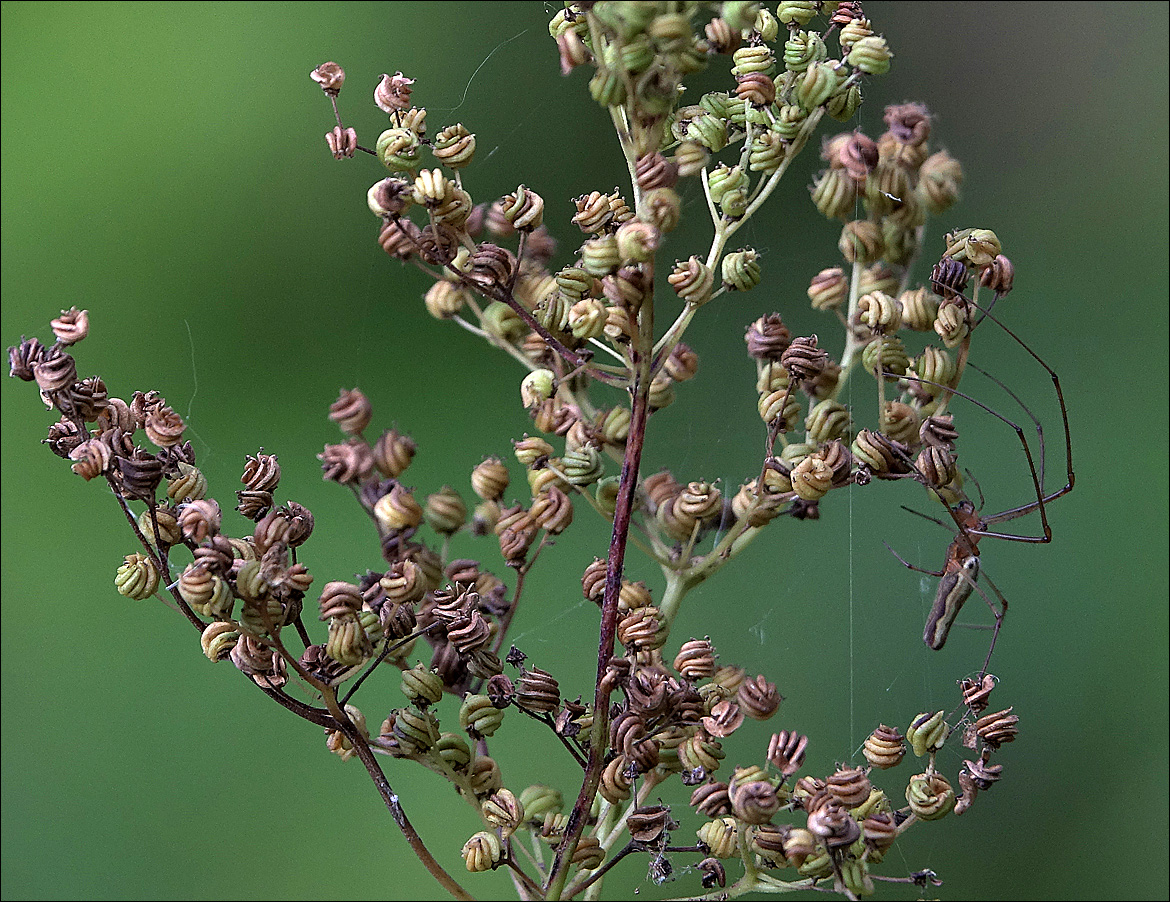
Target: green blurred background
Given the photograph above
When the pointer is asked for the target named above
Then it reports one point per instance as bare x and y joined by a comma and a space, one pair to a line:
163, 167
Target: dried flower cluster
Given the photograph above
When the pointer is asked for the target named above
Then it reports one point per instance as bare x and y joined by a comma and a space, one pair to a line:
595, 367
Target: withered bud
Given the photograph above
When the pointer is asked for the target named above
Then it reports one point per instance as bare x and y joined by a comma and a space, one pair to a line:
330, 77
949, 278
976, 695
71, 326
857, 155
909, 123
349, 462
342, 142
261, 473
140, 474
803, 359
759, 698
490, 268
23, 357
537, 691
393, 453
55, 371
939, 432
786, 751
998, 275
768, 338
351, 411
393, 92
656, 171
714, 873
648, 823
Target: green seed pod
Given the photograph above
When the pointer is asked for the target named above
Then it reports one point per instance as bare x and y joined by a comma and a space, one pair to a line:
835, 194
752, 58
348, 643
799, 11
189, 485
871, 55
741, 270
137, 578
817, 865
705, 129
587, 318
919, 309
479, 717
734, 203
790, 121
606, 495
454, 146
812, 478
766, 25
844, 105
456, 754
936, 366
885, 355
422, 686
767, 152
930, 796
725, 178
250, 583
719, 836
827, 421
539, 800
952, 324
608, 88
600, 256
582, 466
816, 85
880, 312
416, 730
399, 149
860, 242
803, 49
503, 322
855, 875
927, 733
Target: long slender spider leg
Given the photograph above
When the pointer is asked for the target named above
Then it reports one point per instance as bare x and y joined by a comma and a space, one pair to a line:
1071, 478
1024, 407
1000, 616
911, 510
1037, 505
907, 564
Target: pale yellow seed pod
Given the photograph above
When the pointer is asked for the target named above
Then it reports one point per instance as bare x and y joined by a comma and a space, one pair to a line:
218, 639
919, 309
812, 478
189, 485
137, 578
445, 299
779, 403
952, 324
880, 312
482, 852
719, 836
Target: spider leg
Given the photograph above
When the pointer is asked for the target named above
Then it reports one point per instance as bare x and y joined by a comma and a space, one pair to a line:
1000, 615
907, 564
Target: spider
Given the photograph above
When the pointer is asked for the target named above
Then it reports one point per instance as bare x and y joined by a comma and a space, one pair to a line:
961, 569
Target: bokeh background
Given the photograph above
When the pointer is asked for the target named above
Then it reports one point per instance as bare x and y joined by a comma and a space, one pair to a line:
163, 167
